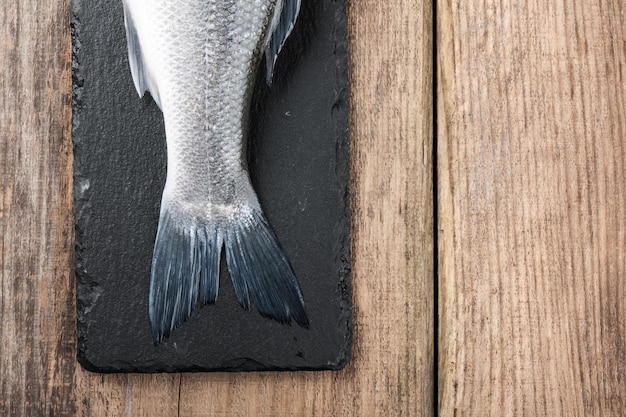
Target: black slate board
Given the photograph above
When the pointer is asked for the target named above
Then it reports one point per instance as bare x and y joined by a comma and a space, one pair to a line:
299, 164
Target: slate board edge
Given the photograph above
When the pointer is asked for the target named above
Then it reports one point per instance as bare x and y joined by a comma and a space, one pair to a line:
81, 197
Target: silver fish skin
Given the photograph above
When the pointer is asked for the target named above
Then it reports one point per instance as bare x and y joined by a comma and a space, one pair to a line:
198, 59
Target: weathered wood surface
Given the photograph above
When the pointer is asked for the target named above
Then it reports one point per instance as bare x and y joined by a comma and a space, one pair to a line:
391, 372
532, 208
37, 367
531, 230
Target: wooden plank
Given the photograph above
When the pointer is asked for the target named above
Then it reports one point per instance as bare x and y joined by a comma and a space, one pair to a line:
532, 208
36, 283
392, 366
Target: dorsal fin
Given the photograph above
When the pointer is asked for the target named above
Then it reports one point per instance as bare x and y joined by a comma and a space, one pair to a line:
283, 21
138, 68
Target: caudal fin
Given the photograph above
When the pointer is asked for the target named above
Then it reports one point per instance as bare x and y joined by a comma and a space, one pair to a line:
186, 264
260, 271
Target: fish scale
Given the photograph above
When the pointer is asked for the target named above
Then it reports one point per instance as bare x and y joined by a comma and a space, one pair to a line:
203, 55
198, 59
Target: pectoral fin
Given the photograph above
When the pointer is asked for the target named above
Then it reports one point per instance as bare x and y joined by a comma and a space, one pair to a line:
138, 68
282, 24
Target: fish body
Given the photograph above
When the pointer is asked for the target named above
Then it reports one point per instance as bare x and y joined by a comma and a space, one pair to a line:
198, 59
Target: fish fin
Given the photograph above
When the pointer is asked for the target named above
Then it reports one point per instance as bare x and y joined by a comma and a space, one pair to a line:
282, 24
141, 76
260, 270
186, 265
185, 270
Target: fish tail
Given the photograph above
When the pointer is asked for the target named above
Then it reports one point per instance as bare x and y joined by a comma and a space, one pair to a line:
185, 270
260, 270
186, 264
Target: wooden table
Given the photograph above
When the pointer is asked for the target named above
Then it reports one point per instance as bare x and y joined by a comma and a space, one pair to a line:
489, 239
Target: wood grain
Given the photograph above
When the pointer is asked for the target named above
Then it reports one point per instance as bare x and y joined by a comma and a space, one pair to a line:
36, 246
532, 208
392, 366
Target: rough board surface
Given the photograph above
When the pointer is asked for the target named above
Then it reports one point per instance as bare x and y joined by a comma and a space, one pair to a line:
298, 156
